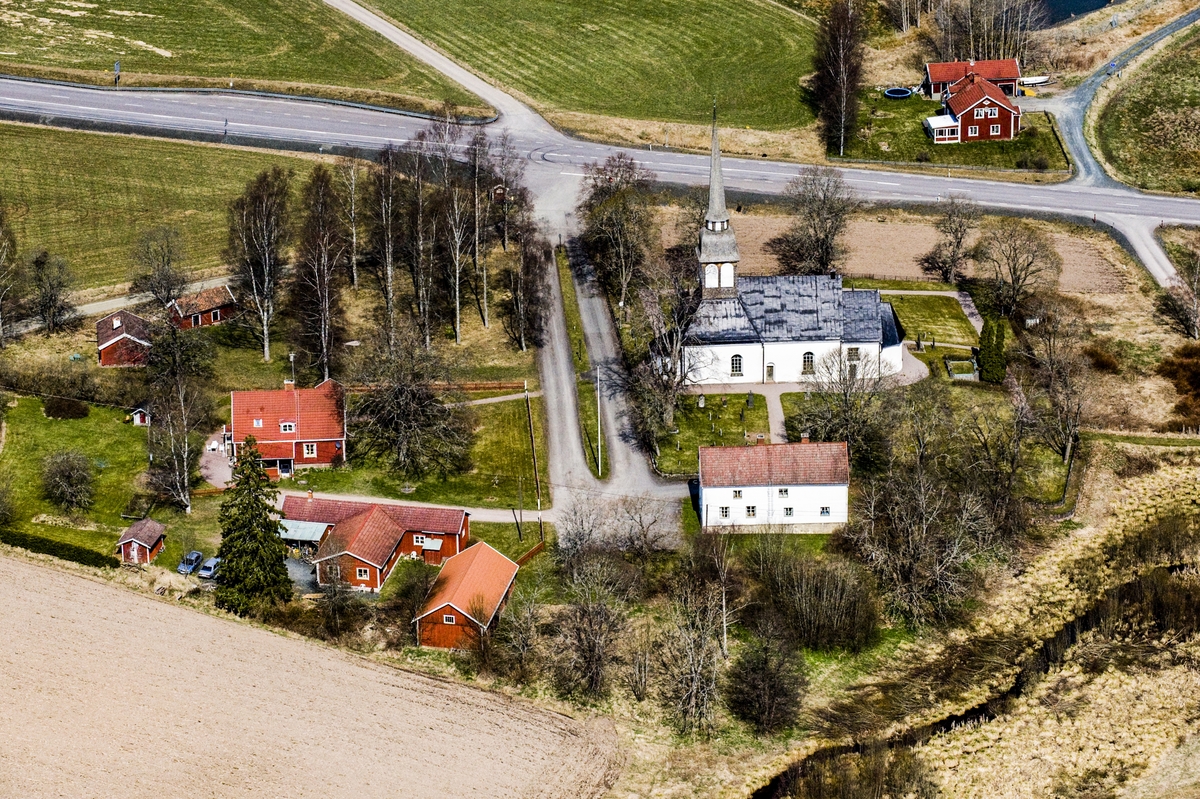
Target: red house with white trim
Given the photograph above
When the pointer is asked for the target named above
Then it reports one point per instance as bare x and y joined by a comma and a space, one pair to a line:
204, 308
975, 110
122, 339
1004, 73
470, 590
295, 428
368, 538
142, 541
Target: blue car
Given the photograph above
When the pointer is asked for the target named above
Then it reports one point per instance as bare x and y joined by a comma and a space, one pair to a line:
209, 570
191, 561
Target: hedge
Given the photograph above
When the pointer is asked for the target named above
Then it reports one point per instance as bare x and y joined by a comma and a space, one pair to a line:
58, 549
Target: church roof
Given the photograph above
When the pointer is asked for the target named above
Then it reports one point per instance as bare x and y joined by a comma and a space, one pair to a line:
717, 212
793, 308
718, 247
718, 243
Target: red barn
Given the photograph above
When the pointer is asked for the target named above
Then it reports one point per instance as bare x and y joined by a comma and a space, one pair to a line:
976, 110
412, 531
296, 428
204, 308
469, 591
1005, 74
122, 339
142, 541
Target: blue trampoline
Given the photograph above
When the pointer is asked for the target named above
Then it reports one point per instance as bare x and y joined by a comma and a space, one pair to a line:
897, 93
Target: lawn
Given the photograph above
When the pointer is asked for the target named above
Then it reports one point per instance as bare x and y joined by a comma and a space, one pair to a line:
933, 315
585, 389
118, 454
665, 60
1150, 129
88, 196
291, 46
898, 125
895, 285
726, 420
500, 456
596, 454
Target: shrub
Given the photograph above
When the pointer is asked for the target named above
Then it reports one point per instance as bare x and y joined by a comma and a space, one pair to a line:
824, 604
65, 408
8, 509
1023, 162
924, 157
58, 549
1191, 185
765, 684
1031, 132
1041, 163
68, 480
1103, 359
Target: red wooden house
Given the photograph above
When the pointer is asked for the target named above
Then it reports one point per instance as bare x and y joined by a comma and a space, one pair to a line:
142, 541
412, 531
204, 308
122, 339
469, 591
1005, 74
295, 428
976, 110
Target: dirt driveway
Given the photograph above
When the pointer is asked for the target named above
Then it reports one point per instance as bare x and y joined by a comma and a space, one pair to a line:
104, 692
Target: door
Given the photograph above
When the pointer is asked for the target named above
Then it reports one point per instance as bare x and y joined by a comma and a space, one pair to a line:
770, 372
285, 468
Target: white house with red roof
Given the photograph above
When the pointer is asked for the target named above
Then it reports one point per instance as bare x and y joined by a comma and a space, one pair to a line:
975, 109
470, 591
1004, 73
366, 539
802, 487
294, 428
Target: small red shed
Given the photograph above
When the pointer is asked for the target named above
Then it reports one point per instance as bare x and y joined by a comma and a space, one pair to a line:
204, 308
142, 541
470, 589
122, 339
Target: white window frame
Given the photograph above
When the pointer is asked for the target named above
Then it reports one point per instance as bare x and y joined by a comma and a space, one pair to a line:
788, 511
980, 113
995, 130
723, 511
258, 422
735, 366
853, 355
973, 130
993, 113
418, 540
737, 493
287, 427
195, 320
808, 364
363, 573
824, 510
310, 450
783, 492
751, 511
216, 315
449, 619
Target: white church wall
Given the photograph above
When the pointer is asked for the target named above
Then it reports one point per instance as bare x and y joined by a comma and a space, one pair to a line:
713, 364
811, 506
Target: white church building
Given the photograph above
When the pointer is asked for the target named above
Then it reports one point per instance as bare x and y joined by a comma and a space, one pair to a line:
767, 329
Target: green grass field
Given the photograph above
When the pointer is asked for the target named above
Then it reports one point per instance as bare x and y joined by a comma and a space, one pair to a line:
1150, 130
665, 60
87, 196
500, 456
895, 285
118, 454
931, 315
735, 424
291, 46
898, 125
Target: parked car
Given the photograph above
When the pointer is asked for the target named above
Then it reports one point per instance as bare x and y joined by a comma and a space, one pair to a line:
191, 561
209, 570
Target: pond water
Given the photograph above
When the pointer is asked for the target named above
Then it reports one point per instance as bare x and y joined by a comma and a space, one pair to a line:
1063, 9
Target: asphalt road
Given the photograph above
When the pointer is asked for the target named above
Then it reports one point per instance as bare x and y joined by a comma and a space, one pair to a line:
554, 168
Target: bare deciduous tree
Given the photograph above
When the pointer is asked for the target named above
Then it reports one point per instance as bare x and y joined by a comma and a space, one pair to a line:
823, 204
518, 634
946, 260
690, 658
68, 480
259, 232
50, 282
479, 163
158, 257
10, 271
583, 527
523, 312
642, 528
1019, 260
846, 405
321, 261
384, 210
617, 217
839, 68
457, 222
1181, 301
350, 173
590, 629
974, 30
1054, 347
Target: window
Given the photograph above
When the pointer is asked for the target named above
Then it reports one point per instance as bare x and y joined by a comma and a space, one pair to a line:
810, 363
724, 512
783, 492
737, 493
973, 130
995, 130
195, 320
287, 427
993, 113
258, 422
333, 571
852, 354
447, 619
787, 512
310, 450
363, 574
824, 510
735, 366
116, 322
216, 316
980, 113
418, 540
751, 511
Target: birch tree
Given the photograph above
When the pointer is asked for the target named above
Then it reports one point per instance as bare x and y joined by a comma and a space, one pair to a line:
350, 176
457, 223
10, 271
1181, 301
384, 209
320, 268
839, 67
479, 155
259, 231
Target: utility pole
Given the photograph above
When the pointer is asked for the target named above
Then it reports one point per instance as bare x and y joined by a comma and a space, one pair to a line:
599, 435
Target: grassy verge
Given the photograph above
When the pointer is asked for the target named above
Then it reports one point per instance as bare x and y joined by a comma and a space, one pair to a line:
1150, 130
627, 58
88, 196
585, 390
593, 448
726, 420
502, 474
895, 285
293, 46
118, 455
931, 315
897, 124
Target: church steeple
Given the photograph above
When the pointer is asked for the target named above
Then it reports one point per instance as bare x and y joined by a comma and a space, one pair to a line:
718, 252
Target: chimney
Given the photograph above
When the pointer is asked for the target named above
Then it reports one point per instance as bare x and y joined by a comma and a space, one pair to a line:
310, 494
803, 440
288, 384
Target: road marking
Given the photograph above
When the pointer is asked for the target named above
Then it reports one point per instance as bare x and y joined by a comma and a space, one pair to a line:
574, 174
882, 183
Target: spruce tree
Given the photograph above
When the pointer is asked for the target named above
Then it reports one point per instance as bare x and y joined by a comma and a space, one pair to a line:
252, 554
992, 366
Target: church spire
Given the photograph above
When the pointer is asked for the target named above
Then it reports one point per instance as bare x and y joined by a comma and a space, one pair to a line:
717, 217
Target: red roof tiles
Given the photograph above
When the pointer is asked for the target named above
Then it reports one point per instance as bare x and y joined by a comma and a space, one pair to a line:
969, 92
207, 300
443, 521
371, 537
475, 580
316, 413
815, 463
951, 71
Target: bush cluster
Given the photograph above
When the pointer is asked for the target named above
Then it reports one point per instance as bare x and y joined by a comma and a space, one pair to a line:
58, 549
65, 408
68, 480
993, 365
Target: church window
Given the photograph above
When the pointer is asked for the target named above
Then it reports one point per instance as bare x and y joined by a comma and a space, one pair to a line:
735, 366
726, 276
852, 354
809, 363
711, 279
